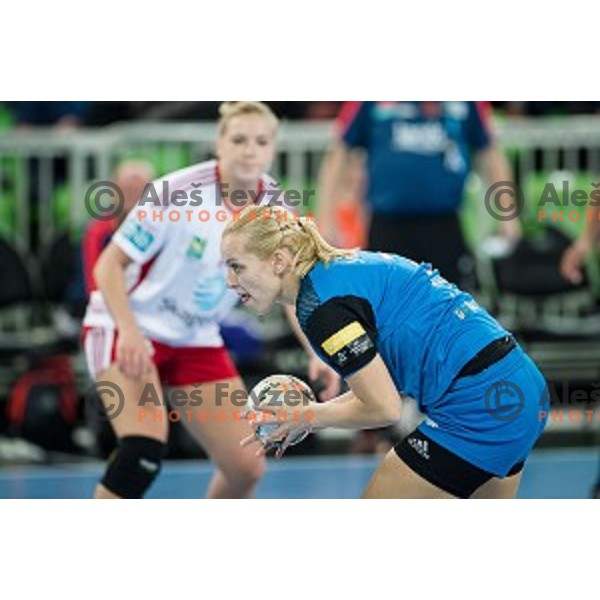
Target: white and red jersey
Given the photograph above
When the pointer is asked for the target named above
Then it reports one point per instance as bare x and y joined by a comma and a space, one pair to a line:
181, 294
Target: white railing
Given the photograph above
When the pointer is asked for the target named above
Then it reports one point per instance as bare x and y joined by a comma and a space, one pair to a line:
33, 164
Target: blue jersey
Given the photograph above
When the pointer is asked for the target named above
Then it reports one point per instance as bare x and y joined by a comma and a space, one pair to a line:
418, 153
424, 328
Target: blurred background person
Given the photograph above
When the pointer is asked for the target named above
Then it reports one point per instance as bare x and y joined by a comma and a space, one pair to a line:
131, 177
417, 157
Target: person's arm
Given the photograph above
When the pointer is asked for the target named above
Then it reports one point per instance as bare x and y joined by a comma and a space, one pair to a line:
492, 164
495, 168
572, 261
317, 369
109, 275
373, 401
132, 353
350, 133
331, 177
137, 240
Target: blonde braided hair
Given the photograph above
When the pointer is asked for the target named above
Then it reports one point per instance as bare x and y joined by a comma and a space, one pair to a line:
268, 229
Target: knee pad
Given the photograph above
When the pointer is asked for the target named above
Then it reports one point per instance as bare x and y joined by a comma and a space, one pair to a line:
133, 466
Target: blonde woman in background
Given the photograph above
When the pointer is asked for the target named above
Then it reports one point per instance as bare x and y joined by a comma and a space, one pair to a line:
162, 329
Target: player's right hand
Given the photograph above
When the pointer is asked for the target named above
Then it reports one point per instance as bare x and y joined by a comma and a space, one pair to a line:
572, 261
133, 354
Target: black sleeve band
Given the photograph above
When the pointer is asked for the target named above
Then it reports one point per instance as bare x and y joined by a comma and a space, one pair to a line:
344, 333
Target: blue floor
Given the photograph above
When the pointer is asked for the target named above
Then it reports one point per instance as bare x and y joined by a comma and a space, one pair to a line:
549, 474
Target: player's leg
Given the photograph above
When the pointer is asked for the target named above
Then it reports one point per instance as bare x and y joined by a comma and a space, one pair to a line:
141, 437
435, 472
141, 442
421, 467
499, 489
394, 479
218, 426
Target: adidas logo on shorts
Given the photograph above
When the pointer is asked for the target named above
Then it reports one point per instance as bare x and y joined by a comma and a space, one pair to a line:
420, 446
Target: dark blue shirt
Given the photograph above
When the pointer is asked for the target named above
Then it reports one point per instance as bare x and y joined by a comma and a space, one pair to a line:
418, 153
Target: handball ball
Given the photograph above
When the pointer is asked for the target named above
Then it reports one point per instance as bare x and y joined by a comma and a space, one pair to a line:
283, 391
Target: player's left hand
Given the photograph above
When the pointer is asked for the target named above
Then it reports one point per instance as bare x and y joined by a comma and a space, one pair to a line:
321, 371
292, 423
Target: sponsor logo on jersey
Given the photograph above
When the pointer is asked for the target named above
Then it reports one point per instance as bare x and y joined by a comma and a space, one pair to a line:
209, 292
427, 137
188, 318
196, 248
347, 343
138, 236
343, 337
466, 308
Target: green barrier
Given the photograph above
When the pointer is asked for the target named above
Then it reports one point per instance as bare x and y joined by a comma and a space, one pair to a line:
9, 173
553, 198
6, 118
61, 207
164, 159
544, 204
8, 218
471, 212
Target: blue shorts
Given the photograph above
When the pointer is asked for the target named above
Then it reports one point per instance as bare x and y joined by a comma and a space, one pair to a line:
492, 419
